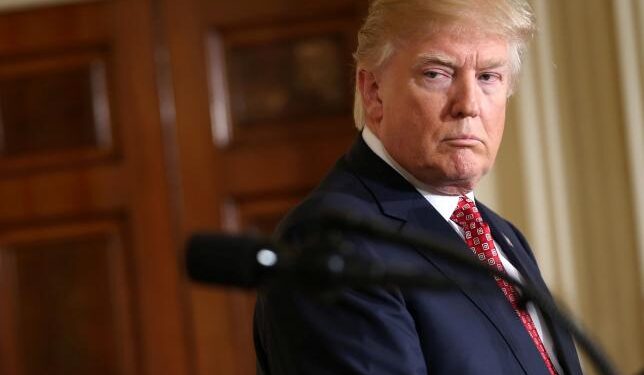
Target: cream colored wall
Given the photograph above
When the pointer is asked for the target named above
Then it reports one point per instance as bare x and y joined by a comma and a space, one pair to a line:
571, 170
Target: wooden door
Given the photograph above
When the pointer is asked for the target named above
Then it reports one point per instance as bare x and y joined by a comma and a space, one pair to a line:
89, 279
262, 93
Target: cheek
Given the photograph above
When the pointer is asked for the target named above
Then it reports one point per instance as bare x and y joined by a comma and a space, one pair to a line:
496, 141
422, 128
495, 126
406, 118
425, 113
413, 122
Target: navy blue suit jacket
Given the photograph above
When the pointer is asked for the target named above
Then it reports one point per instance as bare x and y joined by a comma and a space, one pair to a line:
399, 331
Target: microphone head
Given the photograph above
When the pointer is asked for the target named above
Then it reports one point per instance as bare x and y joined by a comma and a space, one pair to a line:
226, 259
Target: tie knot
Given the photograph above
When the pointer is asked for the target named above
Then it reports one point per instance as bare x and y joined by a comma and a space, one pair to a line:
466, 212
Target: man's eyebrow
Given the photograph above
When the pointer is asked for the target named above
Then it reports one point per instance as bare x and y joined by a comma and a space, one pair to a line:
447, 61
493, 64
435, 59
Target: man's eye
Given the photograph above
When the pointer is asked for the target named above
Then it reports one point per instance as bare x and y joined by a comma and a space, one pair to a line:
489, 77
434, 74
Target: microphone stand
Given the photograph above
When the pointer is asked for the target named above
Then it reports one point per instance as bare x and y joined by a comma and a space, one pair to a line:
334, 224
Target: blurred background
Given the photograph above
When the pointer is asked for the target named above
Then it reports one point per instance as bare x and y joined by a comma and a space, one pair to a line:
125, 126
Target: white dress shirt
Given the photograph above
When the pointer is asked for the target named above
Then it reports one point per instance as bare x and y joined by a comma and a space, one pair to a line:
445, 205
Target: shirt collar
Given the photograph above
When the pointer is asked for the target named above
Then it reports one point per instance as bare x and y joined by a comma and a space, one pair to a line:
444, 204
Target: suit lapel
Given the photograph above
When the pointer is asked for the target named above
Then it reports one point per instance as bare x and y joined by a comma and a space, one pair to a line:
512, 247
398, 199
488, 298
518, 255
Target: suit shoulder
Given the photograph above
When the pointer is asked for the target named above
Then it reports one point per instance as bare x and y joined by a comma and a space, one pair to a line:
340, 191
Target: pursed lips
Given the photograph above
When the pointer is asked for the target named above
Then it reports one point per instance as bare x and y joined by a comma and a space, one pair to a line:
464, 140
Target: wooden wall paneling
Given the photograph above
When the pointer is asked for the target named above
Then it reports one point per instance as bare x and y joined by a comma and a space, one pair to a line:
304, 77
255, 175
61, 194
54, 28
9, 362
53, 73
225, 14
36, 61
162, 315
187, 132
124, 178
259, 214
55, 109
274, 158
281, 166
197, 191
67, 298
30, 101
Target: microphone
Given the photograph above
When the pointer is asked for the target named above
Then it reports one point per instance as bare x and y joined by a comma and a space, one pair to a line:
249, 261
243, 261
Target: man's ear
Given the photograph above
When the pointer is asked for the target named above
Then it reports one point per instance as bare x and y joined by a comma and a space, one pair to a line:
371, 102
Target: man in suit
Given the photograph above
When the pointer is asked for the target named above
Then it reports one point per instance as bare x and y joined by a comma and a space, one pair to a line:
432, 82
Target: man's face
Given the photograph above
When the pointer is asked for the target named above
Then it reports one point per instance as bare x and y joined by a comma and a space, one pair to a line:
438, 107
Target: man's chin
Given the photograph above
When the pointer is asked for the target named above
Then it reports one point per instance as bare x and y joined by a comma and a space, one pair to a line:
453, 177
454, 183
462, 180
465, 170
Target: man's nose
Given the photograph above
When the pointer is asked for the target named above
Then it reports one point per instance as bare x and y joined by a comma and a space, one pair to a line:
464, 98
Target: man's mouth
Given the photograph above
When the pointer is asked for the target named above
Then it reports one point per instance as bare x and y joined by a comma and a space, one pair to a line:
463, 140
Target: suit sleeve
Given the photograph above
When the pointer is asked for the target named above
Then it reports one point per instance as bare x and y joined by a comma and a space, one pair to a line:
350, 332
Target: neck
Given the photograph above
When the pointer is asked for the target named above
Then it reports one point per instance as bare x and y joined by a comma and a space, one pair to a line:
449, 190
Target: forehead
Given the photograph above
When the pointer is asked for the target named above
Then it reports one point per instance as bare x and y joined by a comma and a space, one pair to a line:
462, 48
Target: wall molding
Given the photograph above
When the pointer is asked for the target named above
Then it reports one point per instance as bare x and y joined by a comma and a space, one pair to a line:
13, 5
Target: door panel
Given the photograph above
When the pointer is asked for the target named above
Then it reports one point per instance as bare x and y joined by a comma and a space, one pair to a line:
67, 290
275, 115
89, 276
124, 127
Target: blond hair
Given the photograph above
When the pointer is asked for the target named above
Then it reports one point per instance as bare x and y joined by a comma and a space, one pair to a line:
390, 22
